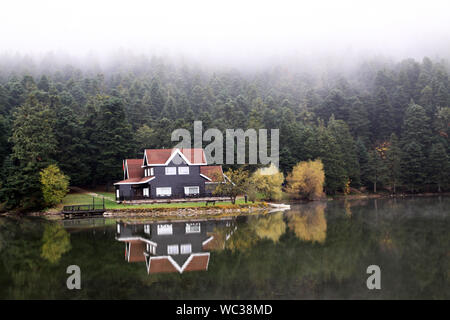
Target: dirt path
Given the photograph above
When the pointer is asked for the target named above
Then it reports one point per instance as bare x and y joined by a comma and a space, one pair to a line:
93, 194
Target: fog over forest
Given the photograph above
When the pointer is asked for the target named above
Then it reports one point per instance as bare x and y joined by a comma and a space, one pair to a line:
363, 87
237, 33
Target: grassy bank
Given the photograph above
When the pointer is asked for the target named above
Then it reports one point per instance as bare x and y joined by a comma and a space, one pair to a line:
86, 198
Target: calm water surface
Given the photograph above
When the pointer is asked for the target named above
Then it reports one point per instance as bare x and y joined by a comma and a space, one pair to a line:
314, 251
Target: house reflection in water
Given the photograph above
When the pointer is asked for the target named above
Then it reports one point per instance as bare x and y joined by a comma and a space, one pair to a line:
174, 246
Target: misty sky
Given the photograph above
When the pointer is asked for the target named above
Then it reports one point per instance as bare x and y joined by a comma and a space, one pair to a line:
227, 29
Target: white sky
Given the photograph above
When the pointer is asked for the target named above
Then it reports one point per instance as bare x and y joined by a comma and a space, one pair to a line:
226, 29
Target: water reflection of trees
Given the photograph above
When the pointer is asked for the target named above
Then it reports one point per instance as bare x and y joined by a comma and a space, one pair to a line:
270, 226
55, 242
262, 264
309, 222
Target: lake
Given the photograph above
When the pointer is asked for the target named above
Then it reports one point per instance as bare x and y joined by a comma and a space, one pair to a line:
317, 250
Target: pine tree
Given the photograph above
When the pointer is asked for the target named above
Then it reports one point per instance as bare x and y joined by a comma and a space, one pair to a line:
112, 138
341, 133
33, 148
439, 166
323, 145
415, 141
412, 165
382, 115
72, 147
358, 120
363, 160
393, 157
44, 84
377, 170
156, 98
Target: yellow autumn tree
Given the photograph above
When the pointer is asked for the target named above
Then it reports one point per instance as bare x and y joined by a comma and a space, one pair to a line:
54, 185
307, 179
267, 181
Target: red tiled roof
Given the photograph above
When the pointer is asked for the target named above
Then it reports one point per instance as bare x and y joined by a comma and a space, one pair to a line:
160, 156
161, 265
215, 173
135, 169
136, 252
194, 155
196, 262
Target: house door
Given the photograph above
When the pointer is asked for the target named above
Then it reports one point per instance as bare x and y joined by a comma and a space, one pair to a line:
138, 192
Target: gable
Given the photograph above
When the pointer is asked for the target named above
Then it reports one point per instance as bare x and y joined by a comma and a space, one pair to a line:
160, 157
177, 160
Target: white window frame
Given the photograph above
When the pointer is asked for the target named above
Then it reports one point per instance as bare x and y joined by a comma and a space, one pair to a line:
146, 192
173, 249
164, 229
145, 172
147, 228
188, 193
186, 248
190, 227
117, 193
183, 170
171, 171
118, 228
160, 192
152, 172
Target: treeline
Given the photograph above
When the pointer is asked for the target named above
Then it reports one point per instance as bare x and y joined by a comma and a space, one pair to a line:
383, 126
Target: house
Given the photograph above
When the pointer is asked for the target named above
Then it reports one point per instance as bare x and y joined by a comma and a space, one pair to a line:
179, 246
168, 173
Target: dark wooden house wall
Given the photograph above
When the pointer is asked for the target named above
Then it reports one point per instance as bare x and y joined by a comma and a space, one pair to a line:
177, 182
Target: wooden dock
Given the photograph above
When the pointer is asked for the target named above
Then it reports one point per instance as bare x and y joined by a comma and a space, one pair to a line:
84, 210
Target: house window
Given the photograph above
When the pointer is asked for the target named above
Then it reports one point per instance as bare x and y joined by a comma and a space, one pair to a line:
191, 190
117, 193
151, 248
164, 229
147, 229
146, 192
145, 172
170, 171
152, 173
172, 249
193, 227
183, 170
118, 228
164, 192
186, 248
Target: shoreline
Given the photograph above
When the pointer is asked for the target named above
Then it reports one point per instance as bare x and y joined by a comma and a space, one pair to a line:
218, 209
175, 212
387, 196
